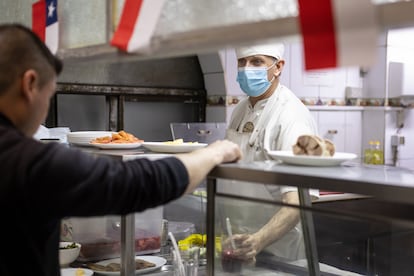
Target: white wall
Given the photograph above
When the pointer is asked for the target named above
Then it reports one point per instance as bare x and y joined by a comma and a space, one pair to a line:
328, 85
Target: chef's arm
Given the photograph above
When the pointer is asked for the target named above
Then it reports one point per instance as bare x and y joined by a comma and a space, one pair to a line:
281, 223
200, 162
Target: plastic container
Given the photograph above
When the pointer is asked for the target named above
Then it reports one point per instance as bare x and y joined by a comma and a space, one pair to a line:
181, 229
368, 153
377, 154
101, 236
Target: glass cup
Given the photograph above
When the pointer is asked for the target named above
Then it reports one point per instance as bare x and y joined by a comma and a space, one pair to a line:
229, 261
190, 261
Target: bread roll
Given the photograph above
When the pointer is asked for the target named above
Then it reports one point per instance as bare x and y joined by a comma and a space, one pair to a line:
313, 145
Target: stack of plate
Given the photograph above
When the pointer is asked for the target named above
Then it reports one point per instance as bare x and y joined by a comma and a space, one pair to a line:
82, 138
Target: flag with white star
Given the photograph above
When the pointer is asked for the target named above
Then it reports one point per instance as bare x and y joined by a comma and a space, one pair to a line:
45, 23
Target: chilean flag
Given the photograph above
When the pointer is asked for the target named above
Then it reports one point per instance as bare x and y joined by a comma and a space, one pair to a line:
137, 25
338, 33
45, 23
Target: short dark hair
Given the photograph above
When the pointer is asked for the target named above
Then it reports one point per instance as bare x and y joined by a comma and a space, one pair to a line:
21, 50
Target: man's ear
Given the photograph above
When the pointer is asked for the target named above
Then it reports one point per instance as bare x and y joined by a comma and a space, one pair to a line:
279, 65
30, 83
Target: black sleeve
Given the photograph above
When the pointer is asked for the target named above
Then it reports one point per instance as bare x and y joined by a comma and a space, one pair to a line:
79, 184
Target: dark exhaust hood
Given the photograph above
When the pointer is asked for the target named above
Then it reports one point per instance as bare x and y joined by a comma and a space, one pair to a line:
179, 72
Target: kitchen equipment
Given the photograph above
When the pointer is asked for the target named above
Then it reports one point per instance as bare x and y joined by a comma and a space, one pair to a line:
200, 132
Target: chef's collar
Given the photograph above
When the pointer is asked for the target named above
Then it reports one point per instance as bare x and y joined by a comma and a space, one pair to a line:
259, 104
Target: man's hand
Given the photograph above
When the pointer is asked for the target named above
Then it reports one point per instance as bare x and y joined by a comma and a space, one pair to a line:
201, 161
229, 151
247, 247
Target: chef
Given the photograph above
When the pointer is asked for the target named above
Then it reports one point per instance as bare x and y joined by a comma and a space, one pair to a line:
271, 117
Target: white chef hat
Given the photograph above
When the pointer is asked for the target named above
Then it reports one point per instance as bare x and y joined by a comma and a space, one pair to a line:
275, 50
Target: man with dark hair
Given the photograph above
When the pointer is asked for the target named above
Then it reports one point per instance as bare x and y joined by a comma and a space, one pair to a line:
22, 50
43, 183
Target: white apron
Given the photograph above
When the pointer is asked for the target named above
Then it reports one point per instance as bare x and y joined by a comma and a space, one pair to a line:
249, 217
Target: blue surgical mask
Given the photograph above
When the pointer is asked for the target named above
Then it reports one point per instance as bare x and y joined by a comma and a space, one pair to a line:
253, 80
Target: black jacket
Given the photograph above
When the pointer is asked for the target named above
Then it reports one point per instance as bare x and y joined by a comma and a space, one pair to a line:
42, 183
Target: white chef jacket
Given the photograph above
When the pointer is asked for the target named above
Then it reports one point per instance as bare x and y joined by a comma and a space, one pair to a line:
278, 121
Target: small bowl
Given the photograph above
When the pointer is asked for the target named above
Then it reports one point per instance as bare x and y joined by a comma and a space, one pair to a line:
68, 255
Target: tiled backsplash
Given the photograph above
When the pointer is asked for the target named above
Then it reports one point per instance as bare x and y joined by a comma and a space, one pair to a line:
223, 100
346, 102
227, 100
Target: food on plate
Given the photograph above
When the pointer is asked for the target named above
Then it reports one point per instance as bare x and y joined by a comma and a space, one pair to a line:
69, 246
79, 272
139, 264
313, 145
178, 142
121, 137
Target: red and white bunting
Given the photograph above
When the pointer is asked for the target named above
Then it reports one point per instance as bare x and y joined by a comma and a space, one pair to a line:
137, 25
338, 33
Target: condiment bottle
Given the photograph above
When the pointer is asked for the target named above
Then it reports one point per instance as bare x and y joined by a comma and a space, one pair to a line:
377, 154
368, 153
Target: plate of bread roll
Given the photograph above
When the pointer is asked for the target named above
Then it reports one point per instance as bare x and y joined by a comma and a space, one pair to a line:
311, 150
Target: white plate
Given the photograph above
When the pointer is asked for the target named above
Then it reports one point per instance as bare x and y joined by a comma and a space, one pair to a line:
306, 160
116, 146
158, 261
172, 148
72, 271
82, 138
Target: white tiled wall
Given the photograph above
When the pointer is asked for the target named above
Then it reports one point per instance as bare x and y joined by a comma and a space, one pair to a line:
331, 84
220, 79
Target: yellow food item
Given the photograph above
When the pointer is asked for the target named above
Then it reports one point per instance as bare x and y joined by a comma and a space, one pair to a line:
79, 272
175, 142
178, 142
193, 239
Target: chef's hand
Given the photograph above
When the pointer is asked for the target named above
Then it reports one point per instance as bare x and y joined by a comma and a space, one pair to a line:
248, 246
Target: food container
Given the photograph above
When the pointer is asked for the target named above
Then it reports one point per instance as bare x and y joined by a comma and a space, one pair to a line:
101, 236
180, 229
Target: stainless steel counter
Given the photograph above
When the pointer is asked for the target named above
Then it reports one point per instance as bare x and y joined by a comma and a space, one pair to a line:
392, 184
384, 182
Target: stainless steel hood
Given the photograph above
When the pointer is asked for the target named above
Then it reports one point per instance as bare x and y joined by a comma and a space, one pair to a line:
179, 72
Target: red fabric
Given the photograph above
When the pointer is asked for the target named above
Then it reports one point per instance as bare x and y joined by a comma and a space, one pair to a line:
39, 19
318, 31
130, 14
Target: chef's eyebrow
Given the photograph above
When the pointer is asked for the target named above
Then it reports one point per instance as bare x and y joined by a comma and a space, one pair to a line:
243, 61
